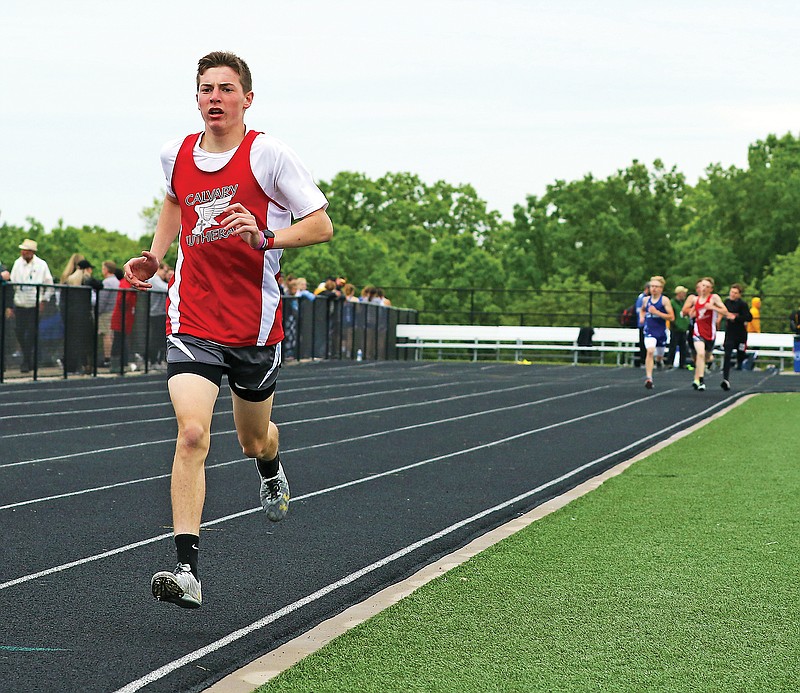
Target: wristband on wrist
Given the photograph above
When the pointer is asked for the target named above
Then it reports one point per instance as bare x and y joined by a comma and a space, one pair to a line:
268, 240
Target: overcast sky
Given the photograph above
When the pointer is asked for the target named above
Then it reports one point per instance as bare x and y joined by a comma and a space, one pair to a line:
505, 95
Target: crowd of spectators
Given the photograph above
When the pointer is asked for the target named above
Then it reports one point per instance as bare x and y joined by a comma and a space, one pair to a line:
334, 287
87, 322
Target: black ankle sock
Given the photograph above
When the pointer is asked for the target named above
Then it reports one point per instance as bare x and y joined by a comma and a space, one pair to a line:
268, 468
187, 544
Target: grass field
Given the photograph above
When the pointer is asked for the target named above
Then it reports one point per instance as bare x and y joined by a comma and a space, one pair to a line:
681, 574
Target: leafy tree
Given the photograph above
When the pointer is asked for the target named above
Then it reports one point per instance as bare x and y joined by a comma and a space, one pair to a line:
781, 292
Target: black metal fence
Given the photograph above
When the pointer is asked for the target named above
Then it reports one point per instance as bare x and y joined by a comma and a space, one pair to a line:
61, 331
550, 308
65, 332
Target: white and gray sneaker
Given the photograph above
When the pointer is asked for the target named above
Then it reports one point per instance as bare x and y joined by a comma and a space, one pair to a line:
179, 587
275, 495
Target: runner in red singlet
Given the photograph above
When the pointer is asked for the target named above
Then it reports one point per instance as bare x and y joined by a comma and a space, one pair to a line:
703, 308
231, 197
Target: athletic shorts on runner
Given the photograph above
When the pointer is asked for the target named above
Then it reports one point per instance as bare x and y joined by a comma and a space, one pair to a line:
708, 342
252, 371
658, 343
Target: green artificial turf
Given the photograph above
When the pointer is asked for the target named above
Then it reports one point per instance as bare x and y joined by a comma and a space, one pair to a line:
681, 574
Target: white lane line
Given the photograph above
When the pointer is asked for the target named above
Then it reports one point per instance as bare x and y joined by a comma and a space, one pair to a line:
128, 393
163, 671
371, 477
348, 414
278, 407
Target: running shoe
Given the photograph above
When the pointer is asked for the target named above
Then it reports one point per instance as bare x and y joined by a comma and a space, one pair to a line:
725, 385
275, 495
648, 383
701, 386
696, 384
179, 587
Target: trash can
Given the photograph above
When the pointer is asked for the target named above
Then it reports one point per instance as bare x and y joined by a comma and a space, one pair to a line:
797, 354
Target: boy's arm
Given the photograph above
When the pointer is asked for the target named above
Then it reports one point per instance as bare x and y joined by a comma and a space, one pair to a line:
717, 303
669, 310
139, 269
310, 230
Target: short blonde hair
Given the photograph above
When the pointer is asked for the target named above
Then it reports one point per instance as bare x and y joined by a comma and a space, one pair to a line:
658, 279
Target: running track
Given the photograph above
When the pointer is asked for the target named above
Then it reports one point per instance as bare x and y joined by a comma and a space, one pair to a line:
391, 465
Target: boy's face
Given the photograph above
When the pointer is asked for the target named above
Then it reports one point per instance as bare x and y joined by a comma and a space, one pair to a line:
656, 288
734, 294
221, 99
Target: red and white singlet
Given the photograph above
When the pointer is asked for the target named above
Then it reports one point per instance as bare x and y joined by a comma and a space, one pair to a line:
705, 321
223, 290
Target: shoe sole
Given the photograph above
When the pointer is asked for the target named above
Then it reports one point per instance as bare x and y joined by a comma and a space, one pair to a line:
165, 589
277, 511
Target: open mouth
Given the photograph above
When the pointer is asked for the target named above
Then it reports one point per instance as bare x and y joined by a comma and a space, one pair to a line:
215, 111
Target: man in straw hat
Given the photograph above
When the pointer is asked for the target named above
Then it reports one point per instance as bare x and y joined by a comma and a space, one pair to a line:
28, 274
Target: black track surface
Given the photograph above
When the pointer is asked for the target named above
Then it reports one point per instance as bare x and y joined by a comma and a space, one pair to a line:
426, 457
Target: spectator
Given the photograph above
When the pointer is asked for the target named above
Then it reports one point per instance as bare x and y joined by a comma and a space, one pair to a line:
76, 308
122, 325
367, 294
329, 289
794, 322
71, 267
381, 297
28, 272
640, 324
735, 333
755, 312
156, 349
349, 292
678, 333
301, 289
5, 275
106, 299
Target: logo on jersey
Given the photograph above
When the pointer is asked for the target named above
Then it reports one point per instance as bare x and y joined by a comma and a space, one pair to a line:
208, 204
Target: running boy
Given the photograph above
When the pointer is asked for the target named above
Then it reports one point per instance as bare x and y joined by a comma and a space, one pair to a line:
232, 194
655, 311
735, 333
703, 308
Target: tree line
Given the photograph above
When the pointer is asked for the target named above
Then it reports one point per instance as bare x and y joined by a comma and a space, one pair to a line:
592, 234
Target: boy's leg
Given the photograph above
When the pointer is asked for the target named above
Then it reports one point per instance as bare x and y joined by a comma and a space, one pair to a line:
700, 361
258, 436
648, 363
193, 398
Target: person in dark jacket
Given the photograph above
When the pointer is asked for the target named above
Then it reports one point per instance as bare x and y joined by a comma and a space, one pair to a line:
794, 322
735, 333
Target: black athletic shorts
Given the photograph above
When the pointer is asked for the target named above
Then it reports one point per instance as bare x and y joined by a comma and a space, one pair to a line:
252, 371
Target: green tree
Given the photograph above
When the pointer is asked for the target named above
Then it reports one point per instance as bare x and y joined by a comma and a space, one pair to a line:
781, 292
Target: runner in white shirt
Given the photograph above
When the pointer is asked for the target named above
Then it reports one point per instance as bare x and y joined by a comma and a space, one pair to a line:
233, 195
